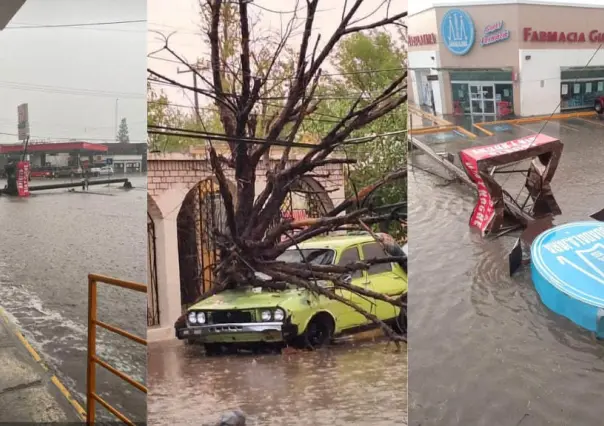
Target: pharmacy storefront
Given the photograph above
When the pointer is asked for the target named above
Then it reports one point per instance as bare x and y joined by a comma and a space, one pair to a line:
497, 60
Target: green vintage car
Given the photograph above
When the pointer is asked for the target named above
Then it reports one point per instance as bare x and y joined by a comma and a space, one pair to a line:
252, 316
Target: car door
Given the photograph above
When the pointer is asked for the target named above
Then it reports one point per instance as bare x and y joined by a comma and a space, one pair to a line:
350, 318
385, 278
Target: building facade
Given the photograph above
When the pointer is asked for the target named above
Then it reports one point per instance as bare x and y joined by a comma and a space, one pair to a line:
503, 58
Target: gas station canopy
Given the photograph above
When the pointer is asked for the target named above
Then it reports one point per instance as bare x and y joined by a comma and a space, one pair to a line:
54, 147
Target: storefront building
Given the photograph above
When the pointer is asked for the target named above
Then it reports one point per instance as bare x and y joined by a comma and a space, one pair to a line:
505, 58
8, 9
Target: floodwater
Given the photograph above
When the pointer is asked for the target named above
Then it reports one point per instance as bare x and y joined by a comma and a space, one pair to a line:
360, 384
483, 349
49, 243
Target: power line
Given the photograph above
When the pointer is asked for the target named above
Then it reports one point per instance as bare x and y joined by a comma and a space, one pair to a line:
77, 25
67, 90
198, 134
351, 96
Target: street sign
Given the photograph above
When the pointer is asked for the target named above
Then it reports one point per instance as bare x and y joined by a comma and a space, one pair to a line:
23, 122
109, 161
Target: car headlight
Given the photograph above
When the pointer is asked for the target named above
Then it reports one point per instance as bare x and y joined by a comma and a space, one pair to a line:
192, 318
201, 317
279, 314
266, 315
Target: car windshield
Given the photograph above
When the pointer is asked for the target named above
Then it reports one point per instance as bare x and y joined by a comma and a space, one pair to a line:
313, 256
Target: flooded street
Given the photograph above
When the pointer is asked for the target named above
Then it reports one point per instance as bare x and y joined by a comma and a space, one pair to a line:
49, 244
483, 349
363, 384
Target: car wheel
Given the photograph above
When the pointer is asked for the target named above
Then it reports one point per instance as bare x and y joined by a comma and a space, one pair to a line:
212, 349
599, 108
318, 333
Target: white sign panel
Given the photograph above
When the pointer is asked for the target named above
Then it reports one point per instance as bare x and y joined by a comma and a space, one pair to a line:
23, 122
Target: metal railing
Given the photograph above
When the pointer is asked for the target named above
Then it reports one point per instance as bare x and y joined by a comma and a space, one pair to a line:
91, 396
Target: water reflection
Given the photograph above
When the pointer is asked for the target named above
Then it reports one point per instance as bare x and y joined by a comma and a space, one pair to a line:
362, 384
49, 243
483, 348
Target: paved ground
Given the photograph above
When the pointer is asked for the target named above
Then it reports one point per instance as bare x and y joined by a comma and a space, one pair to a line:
26, 391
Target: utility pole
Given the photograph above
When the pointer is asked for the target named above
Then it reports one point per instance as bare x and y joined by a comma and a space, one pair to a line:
196, 94
116, 106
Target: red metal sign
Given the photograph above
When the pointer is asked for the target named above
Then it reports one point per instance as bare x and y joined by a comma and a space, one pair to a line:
479, 160
483, 212
23, 178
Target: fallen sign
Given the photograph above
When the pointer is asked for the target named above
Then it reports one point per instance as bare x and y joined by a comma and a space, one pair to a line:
494, 202
567, 269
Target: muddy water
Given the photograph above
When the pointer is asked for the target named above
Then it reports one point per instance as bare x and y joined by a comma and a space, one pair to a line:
483, 349
48, 245
363, 384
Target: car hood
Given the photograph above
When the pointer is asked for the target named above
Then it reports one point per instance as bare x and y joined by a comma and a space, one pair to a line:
246, 299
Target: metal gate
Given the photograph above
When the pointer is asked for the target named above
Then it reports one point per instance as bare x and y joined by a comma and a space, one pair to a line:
152, 295
201, 212
305, 201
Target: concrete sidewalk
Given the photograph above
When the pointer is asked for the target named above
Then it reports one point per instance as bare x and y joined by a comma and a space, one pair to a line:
28, 391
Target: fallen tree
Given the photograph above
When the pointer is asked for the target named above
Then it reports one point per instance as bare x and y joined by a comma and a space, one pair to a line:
254, 122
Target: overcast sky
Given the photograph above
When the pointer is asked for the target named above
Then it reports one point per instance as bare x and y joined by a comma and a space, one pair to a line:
416, 6
182, 18
71, 77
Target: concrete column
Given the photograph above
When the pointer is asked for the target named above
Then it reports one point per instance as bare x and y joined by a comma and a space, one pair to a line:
168, 278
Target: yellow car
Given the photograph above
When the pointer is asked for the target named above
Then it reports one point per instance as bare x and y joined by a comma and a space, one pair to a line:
249, 316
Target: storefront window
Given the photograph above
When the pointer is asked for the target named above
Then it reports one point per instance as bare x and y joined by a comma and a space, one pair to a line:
580, 94
461, 99
482, 92
504, 97
481, 75
580, 88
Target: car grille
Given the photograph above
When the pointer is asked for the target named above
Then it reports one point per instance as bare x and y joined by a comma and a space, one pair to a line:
229, 317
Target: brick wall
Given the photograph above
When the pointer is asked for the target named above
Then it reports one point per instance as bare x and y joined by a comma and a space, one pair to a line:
168, 170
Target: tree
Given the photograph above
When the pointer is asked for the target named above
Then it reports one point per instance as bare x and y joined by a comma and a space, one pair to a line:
122, 133
254, 121
161, 113
376, 51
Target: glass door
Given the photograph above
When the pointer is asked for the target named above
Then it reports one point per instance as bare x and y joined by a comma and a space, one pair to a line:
488, 99
482, 98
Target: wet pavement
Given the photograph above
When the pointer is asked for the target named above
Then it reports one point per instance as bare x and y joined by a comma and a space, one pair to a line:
49, 243
483, 349
348, 384
25, 385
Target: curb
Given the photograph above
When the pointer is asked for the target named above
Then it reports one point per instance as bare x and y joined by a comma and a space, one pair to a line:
38, 359
534, 119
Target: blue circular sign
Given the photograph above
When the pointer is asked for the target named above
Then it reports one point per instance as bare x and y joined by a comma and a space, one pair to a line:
567, 265
458, 32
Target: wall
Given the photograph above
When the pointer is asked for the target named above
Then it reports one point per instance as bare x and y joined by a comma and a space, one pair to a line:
422, 60
421, 56
170, 178
546, 57
544, 68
